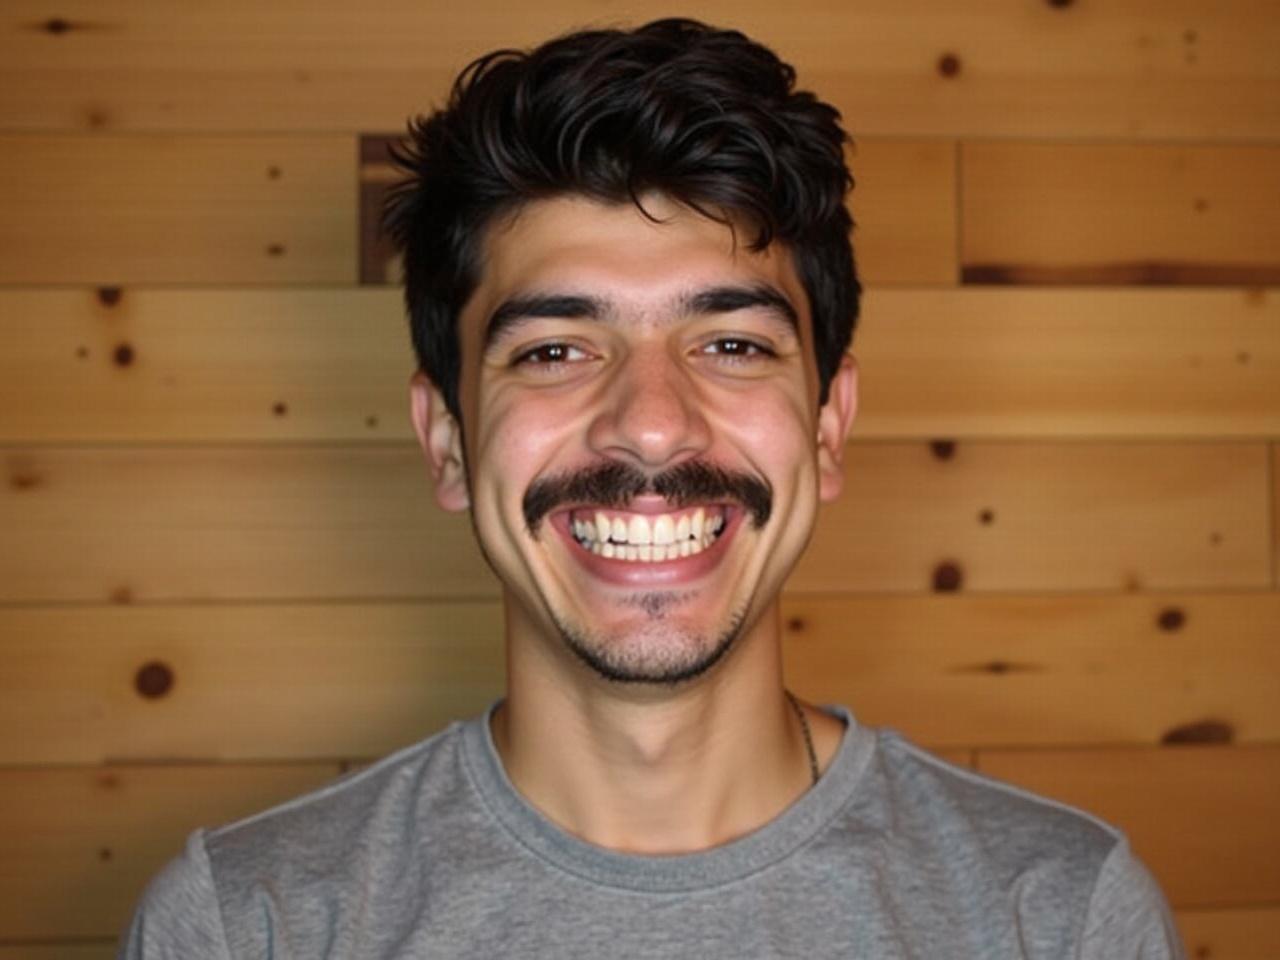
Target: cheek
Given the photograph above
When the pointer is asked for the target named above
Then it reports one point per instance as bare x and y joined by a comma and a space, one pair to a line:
519, 440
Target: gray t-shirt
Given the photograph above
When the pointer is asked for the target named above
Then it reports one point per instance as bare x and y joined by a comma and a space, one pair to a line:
432, 853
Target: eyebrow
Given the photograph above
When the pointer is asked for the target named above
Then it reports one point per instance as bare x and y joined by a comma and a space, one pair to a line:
511, 313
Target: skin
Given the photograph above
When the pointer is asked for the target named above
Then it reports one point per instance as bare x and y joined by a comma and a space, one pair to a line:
647, 381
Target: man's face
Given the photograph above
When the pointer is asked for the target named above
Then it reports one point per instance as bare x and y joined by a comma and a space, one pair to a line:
644, 453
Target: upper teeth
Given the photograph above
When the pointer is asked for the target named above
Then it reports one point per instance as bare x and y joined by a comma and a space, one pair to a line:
640, 537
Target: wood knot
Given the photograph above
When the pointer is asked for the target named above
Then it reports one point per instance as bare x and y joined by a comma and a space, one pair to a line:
105, 854
1059, 3
943, 449
371, 421
987, 517
280, 408
121, 595
109, 296
1171, 619
274, 173
123, 355
275, 250
796, 624
949, 65
57, 26
153, 680
1200, 732
25, 480
947, 577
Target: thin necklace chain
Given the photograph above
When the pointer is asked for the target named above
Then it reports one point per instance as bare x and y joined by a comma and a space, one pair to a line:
808, 737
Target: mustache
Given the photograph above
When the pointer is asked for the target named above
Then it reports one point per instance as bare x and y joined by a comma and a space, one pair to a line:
616, 484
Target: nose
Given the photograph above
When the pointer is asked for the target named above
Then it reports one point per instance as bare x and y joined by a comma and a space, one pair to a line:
652, 414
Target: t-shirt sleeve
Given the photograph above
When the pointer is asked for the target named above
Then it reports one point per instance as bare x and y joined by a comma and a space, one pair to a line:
1128, 917
179, 917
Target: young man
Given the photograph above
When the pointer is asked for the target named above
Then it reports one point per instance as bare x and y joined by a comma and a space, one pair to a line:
631, 291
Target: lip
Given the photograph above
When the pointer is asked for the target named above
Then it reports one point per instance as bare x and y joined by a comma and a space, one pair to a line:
665, 573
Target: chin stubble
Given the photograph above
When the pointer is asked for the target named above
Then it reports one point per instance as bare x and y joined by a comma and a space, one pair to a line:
618, 661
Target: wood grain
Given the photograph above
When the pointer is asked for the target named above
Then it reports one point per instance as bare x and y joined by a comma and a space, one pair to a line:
114, 210
1202, 818
275, 364
985, 671
1062, 362
281, 681
272, 682
1178, 69
351, 522
1239, 934
332, 364
79, 844
1120, 214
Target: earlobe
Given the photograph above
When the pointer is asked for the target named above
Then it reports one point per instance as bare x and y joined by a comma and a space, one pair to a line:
440, 437
835, 419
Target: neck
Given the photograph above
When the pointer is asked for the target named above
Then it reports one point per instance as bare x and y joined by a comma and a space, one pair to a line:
658, 770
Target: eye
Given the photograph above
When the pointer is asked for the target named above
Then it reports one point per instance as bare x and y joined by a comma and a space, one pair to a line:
736, 349
549, 354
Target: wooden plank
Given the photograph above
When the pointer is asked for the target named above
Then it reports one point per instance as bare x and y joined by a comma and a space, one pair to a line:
951, 671
905, 211
162, 209
203, 682
332, 364
989, 362
1119, 213
1275, 513
904, 204
1133, 69
351, 522
1202, 818
1043, 516
247, 364
69, 950
1244, 933
92, 837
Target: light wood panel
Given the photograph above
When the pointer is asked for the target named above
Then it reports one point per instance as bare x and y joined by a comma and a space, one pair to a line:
1043, 516
987, 671
1130, 68
157, 209
333, 364
905, 208
245, 364
1069, 362
309, 681
266, 682
1119, 213
99, 950
1243, 934
80, 844
343, 522
1202, 818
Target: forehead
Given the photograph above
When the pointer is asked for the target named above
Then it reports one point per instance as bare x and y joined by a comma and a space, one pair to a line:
637, 263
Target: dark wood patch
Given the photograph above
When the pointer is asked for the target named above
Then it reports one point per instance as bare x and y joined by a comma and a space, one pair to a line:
1152, 273
1200, 732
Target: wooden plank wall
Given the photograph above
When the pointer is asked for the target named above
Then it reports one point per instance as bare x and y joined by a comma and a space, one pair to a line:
221, 576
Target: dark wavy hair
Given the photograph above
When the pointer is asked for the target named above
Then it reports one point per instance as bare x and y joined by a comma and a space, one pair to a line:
706, 116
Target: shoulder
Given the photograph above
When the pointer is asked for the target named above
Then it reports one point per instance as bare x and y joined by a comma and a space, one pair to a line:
301, 860
967, 808
315, 834
1059, 873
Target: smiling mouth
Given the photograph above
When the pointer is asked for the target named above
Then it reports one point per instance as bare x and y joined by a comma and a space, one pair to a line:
647, 538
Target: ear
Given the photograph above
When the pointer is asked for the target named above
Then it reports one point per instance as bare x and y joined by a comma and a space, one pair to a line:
834, 421
440, 437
